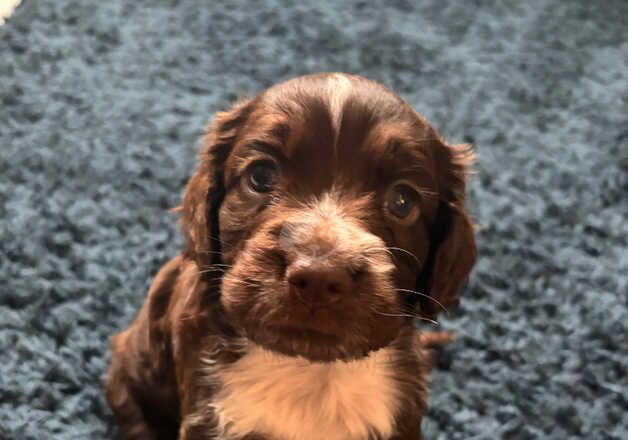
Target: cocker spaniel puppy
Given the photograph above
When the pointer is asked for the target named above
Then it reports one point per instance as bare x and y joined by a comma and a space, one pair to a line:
324, 218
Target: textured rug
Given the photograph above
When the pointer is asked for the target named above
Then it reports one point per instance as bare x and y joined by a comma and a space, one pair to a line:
101, 106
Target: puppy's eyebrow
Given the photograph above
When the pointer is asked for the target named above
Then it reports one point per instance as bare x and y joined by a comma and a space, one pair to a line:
407, 156
268, 138
255, 145
393, 143
396, 147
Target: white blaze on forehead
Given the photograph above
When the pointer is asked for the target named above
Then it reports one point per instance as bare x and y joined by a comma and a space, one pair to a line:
340, 87
291, 398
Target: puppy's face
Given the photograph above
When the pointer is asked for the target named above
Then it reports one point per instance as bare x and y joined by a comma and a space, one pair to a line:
332, 201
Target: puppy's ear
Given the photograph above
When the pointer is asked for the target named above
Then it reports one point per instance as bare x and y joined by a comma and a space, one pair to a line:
453, 250
205, 190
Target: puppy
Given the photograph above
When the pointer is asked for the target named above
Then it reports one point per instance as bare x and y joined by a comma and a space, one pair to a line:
324, 218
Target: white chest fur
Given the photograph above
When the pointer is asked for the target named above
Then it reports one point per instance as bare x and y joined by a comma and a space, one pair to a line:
290, 398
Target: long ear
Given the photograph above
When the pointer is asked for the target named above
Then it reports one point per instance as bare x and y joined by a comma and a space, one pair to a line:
453, 251
205, 190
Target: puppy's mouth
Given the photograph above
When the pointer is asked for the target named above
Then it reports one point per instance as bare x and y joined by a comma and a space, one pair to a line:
315, 334
304, 330
344, 330
300, 340
305, 341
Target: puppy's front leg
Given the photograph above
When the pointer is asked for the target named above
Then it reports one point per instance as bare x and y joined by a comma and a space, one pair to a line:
128, 411
141, 385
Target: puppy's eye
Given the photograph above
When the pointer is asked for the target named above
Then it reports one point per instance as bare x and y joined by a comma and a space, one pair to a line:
402, 201
262, 176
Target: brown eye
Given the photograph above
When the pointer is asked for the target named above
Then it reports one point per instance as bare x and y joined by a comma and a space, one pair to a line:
402, 201
262, 176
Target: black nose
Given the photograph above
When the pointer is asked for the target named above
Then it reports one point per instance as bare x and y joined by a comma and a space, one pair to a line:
319, 285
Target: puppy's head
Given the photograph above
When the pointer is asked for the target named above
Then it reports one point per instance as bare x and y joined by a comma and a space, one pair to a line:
334, 212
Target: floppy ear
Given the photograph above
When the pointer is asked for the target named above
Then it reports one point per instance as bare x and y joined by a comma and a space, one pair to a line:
205, 190
453, 251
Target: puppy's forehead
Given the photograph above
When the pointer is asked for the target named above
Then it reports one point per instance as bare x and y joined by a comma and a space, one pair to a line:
338, 126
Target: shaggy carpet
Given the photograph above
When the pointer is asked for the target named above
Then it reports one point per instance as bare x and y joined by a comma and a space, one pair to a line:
101, 106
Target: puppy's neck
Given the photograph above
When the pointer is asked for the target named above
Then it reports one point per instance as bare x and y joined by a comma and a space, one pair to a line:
289, 398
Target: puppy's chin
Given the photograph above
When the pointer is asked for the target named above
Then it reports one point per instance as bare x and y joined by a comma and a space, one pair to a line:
329, 335
348, 332
312, 344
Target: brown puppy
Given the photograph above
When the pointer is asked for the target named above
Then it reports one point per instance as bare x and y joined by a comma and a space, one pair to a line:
324, 217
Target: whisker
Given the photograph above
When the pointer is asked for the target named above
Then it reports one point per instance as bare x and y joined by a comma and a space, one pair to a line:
222, 268
431, 298
389, 249
210, 252
416, 315
406, 315
213, 238
212, 270
249, 283
393, 248
244, 283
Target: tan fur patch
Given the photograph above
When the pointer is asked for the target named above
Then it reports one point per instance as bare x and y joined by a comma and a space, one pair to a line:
291, 398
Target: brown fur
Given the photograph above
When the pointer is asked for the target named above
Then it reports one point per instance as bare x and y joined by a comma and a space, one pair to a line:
224, 349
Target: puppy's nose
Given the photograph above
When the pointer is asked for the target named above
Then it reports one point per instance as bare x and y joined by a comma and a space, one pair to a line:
318, 285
